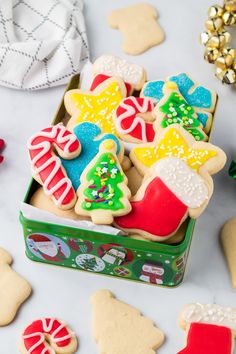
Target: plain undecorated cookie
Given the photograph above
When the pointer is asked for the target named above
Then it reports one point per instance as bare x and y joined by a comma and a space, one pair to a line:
119, 328
138, 24
228, 241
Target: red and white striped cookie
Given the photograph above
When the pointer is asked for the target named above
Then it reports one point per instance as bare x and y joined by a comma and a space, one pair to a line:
130, 125
46, 166
48, 336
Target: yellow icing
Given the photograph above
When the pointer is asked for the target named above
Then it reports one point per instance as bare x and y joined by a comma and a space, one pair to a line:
109, 144
173, 144
171, 85
99, 108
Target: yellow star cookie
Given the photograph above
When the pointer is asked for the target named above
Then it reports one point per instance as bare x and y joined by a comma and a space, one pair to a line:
176, 142
96, 106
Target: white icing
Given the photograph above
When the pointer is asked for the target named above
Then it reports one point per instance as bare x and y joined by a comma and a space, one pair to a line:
210, 313
184, 182
131, 109
45, 145
114, 66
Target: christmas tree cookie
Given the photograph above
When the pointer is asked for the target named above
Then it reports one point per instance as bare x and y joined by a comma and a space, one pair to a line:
103, 192
170, 192
210, 329
175, 141
120, 328
173, 109
97, 106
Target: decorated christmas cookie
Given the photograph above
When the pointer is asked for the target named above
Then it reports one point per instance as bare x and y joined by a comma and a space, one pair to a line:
96, 106
132, 74
173, 109
117, 327
134, 121
199, 97
103, 192
170, 192
46, 336
2, 145
14, 289
90, 136
138, 24
46, 166
100, 78
210, 329
175, 141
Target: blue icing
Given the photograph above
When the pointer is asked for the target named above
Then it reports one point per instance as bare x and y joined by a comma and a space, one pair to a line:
200, 97
86, 133
153, 89
203, 117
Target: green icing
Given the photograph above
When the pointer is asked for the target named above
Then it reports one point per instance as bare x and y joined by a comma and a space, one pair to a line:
103, 191
177, 111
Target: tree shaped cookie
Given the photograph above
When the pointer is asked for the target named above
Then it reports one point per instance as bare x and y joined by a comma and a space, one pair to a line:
138, 24
170, 192
103, 192
175, 141
210, 329
14, 289
120, 328
97, 106
173, 109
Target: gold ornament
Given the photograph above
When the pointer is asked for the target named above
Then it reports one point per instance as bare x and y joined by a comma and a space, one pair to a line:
217, 41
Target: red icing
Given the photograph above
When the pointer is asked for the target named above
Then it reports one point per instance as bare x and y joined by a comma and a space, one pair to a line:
2, 146
47, 155
37, 328
160, 212
208, 339
100, 78
125, 124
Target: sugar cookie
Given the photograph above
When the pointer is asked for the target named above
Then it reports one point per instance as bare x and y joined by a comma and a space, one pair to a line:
130, 125
134, 179
132, 74
210, 329
48, 335
176, 142
46, 166
173, 109
202, 99
138, 24
171, 192
14, 289
117, 327
100, 78
90, 136
103, 192
228, 241
97, 106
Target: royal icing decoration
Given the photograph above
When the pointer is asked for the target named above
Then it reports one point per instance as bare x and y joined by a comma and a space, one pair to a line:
90, 137
128, 121
208, 339
199, 97
96, 107
173, 143
175, 110
112, 66
2, 146
46, 165
100, 78
40, 333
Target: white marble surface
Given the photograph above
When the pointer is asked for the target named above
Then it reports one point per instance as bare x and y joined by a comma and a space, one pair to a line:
65, 293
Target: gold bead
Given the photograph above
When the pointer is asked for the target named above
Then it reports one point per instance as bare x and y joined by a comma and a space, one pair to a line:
231, 52
218, 40
211, 54
215, 11
228, 18
204, 37
230, 5
223, 62
214, 24
227, 36
227, 76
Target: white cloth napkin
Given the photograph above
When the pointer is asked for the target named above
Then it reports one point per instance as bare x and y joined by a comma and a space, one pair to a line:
42, 43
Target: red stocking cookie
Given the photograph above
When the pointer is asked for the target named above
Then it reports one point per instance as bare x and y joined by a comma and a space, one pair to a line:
2, 145
210, 329
100, 78
130, 125
165, 199
46, 166
48, 336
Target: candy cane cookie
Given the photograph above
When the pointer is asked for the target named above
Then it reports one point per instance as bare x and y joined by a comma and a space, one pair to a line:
46, 166
130, 125
48, 336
